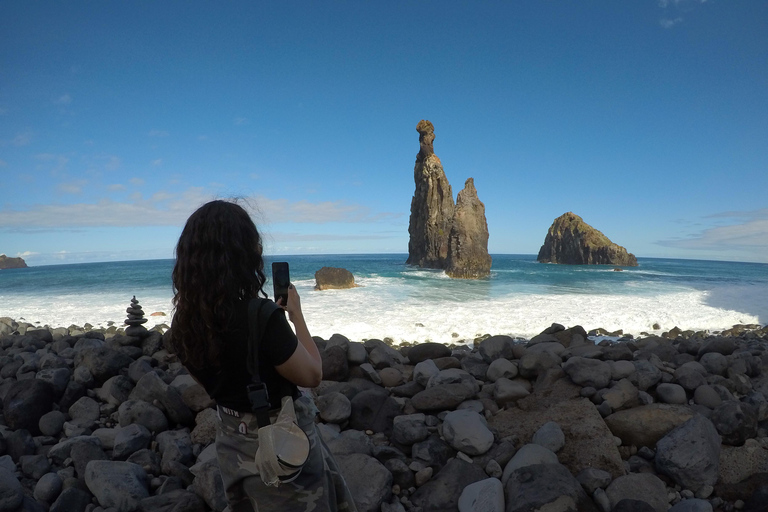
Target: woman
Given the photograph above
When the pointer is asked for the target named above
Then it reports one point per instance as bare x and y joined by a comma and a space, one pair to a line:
219, 269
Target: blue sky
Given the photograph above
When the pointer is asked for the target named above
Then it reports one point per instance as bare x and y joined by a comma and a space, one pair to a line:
649, 119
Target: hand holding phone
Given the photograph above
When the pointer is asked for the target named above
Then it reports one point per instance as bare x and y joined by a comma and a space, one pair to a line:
281, 279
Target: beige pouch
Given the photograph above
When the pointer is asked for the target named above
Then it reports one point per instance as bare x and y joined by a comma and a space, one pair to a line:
283, 447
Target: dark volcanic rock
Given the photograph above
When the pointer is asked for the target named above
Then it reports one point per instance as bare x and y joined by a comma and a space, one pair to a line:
572, 241
431, 206
332, 278
468, 256
6, 262
26, 401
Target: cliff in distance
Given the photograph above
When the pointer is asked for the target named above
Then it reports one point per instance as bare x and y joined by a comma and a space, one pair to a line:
6, 262
444, 235
572, 241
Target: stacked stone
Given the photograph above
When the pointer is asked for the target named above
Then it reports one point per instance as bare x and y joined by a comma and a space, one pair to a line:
135, 320
101, 422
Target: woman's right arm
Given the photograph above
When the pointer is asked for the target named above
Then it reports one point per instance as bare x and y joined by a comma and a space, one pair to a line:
305, 366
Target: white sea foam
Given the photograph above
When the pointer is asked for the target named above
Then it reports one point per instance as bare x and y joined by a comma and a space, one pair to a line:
406, 311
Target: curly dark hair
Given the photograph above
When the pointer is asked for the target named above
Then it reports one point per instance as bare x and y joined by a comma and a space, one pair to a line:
218, 263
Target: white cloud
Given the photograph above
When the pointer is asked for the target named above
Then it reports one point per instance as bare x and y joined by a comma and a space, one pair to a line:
202, 137
669, 23
26, 254
240, 121
116, 187
158, 161
74, 187
749, 236
22, 139
158, 133
172, 209
64, 99
136, 181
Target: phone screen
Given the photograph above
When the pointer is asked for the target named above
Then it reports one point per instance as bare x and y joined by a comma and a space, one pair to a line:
281, 279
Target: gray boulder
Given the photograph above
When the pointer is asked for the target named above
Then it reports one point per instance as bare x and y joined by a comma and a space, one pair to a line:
735, 421
373, 410
334, 407
467, 431
588, 372
690, 454
528, 455
130, 439
483, 496
25, 402
443, 490
151, 387
11, 491
117, 484
368, 480
644, 487
143, 413
545, 487
550, 436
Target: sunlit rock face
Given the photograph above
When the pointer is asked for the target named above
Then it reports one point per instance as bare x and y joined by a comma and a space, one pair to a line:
444, 235
468, 256
572, 241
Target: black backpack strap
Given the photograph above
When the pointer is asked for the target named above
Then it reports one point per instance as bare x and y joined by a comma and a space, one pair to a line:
259, 311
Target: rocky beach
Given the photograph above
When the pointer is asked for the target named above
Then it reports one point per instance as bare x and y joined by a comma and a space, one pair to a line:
97, 421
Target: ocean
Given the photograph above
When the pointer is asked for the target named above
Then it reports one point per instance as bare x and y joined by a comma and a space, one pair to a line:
521, 298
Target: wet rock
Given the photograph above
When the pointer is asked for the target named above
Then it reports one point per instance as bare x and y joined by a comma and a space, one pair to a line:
332, 278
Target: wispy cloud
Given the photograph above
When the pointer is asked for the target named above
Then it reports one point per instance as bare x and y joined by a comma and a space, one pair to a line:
3, 163
73, 187
64, 99
58, 162
749, 235
675, 7
158, 133
240, 121
156, 162
669, 23
115, 187
172, 209
136, 181
22, 139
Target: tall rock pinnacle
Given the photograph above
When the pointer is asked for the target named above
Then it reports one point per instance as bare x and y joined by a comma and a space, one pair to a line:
468, 256
431, 206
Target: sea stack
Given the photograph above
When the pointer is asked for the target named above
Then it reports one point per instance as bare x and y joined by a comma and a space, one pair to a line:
6, 262
431, 206
468, 256
444, 235
571, 241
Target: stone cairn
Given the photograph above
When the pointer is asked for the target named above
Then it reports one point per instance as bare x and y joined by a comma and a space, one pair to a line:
135, 320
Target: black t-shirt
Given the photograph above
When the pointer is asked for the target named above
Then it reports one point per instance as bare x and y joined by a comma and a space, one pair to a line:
227, 385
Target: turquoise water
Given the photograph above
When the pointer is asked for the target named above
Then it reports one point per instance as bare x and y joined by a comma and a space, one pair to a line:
521, 297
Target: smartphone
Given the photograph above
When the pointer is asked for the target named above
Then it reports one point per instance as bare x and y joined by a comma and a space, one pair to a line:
281, 280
